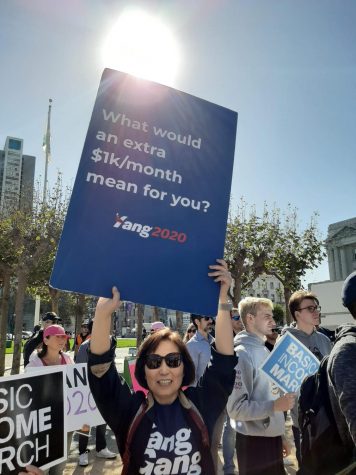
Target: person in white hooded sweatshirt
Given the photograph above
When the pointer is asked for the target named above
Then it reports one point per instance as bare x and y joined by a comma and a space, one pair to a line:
255, 406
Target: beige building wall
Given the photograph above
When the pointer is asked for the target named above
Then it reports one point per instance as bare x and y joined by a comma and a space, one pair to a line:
333, 313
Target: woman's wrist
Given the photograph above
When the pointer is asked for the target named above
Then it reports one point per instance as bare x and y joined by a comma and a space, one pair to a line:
225, 305
102, 315
223, 297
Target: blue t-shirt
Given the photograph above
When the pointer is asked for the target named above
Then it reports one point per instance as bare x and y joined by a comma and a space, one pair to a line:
171, 448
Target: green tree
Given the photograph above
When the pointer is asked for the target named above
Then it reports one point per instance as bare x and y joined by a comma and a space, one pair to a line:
57, 199
271, 245
9, 255
249, 245
5, 279
295, 252
278, 314
36, 234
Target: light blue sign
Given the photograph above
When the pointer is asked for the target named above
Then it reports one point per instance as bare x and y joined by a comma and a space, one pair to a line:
289, 363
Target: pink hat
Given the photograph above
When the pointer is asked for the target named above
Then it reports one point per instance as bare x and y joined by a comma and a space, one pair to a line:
54, 330
155, 326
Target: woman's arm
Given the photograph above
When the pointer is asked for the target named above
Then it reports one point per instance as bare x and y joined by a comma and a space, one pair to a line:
100, 335
111, 394
219, 376
224, 339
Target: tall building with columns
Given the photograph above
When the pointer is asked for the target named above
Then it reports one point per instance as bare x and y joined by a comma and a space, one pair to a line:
341, 249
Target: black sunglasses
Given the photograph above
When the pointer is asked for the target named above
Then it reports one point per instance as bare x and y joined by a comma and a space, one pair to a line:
192, 330
236, 318
173, 360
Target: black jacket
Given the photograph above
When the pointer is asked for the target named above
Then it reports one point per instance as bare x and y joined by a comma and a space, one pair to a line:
342, 383
30, 346
119, 406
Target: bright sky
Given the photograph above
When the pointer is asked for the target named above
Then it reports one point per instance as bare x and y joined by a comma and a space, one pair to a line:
287, 67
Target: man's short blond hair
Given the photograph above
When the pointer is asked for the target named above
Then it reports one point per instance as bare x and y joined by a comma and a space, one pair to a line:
252, 305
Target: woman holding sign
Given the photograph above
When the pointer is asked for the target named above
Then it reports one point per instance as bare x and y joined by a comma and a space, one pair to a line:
170, 429
52, 354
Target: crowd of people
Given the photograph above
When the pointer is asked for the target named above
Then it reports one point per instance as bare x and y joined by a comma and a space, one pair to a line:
206, 390
48, 347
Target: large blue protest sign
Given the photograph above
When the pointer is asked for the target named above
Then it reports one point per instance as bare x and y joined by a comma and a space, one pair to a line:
149, 206
32, 426
289, 363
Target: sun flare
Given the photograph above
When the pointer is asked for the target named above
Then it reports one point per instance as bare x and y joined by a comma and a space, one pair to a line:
142, 45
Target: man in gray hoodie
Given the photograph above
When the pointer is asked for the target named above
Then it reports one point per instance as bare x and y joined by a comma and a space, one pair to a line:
305, 310
255, 406
341, 366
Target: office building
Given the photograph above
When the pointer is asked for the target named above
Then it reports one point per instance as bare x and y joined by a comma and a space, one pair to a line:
266, 286
17, 172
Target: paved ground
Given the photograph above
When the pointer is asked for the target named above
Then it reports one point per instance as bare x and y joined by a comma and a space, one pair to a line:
113, 467
96, 466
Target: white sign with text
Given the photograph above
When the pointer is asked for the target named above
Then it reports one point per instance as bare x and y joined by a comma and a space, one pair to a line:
80, 408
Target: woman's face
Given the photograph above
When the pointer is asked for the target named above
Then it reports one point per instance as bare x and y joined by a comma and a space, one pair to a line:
164, 382
56, 343
191, 332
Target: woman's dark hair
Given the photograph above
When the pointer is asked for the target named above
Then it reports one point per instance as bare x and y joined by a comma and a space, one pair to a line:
191, 326
43, 351
151, 344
